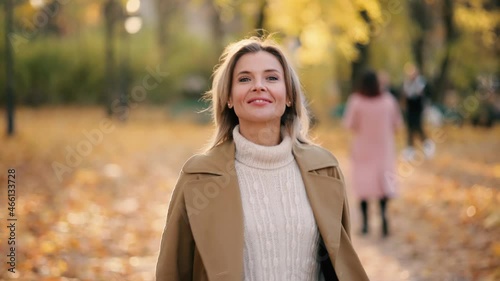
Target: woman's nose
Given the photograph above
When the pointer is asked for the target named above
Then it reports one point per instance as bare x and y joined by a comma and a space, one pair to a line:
258, 86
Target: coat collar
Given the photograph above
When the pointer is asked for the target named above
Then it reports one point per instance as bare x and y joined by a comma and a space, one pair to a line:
214, 207
216, 160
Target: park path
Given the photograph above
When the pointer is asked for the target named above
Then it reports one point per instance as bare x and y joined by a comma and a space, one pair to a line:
380, 259
378, 255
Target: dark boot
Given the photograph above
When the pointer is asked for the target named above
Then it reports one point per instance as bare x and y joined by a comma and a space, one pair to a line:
385, 223
364, 212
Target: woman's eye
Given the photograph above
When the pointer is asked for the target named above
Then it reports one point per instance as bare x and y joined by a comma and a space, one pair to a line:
243, 79
272, 78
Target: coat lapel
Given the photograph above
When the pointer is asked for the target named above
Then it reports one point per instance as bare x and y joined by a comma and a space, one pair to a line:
326, 194
215, 213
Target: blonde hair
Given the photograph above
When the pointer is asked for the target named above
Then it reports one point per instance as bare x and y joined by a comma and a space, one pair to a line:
295, 120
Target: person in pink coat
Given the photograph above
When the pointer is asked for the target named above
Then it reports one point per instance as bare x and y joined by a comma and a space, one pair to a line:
373, 115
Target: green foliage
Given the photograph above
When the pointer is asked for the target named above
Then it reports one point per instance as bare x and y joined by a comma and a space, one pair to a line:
189, 58
51, 70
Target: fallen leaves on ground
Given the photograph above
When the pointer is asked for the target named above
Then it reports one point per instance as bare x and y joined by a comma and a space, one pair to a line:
103, 220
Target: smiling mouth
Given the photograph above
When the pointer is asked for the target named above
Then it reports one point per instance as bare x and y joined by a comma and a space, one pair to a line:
259, 101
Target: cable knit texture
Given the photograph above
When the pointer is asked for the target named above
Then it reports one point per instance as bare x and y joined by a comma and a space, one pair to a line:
281, 235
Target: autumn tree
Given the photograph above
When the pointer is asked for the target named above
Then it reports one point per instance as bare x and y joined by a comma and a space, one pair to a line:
362, 48
217, 25
165, 11
9, 65
450, 35
329, 32
425, 16
420, 13
112, 15
479, 25
439, 25
261, 18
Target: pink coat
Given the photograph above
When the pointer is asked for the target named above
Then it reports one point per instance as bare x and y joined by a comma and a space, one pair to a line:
373, 153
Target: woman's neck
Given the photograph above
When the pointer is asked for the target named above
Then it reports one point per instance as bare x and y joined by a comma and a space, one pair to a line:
262, 134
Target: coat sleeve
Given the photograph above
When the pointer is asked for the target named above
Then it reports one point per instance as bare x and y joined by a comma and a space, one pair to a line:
175, 260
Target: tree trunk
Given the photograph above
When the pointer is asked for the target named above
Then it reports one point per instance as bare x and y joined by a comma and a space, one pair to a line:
261, 17
441, 80
496, 5
217, 28
113, 14
110, 15
9, 66
361, 63
165, 9
161, 7
420, 16
418, 51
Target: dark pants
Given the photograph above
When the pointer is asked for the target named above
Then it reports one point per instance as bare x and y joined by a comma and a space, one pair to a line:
414, 114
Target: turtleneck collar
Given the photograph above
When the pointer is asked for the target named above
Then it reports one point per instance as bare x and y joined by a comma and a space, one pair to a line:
262, 157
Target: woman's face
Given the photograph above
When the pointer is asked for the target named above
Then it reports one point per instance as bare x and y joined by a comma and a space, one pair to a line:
258, 91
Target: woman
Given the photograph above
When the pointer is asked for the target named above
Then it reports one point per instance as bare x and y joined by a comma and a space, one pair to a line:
262, 203
373, 116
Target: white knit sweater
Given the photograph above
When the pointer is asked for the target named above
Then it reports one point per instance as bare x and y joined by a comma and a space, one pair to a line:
280, 233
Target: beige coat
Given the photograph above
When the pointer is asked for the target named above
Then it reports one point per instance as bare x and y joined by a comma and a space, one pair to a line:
203, 236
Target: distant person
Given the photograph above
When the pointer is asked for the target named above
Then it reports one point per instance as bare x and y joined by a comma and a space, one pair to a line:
414, 94
373, 116
263, 202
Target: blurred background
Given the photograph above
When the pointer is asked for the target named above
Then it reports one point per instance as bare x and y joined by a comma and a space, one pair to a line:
101, 100
92, 52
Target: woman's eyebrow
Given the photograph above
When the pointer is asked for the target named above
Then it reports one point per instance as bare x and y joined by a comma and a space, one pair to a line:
249, 72
243, 72
272, 70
